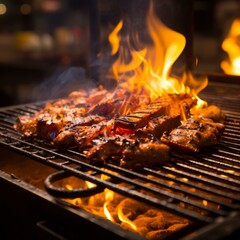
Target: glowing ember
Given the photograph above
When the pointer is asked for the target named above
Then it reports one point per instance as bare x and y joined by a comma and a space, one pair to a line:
149, 68
205, 203
231, 45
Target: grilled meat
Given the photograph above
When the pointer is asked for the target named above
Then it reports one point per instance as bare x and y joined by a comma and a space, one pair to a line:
172, 105
124, 127
212, 112
144, 154
128, 152
193, 134
66, 139
85, 134
116, 103
26, 125
159, 125
142, 116
106, 150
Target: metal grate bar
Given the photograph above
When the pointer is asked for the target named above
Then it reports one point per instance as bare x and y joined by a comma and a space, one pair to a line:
122, 190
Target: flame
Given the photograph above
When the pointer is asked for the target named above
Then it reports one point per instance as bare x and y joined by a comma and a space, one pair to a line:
231, 45
150, 66
123, 218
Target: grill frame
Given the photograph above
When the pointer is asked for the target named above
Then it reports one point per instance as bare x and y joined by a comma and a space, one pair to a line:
211, 162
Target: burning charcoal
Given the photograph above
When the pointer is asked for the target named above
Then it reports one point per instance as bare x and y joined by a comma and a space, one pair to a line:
177, 226
194, 134
132, 208
145, 154
153, 213
142, 231
158, 234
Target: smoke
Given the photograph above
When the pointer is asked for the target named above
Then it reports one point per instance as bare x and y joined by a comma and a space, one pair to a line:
61, 83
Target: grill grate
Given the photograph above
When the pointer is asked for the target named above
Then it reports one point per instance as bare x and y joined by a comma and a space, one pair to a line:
179, 187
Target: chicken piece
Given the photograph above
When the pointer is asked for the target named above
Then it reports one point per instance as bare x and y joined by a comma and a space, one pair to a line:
144, 155
193, 134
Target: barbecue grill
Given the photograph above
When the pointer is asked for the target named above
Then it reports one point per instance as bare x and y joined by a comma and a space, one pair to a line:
214, 174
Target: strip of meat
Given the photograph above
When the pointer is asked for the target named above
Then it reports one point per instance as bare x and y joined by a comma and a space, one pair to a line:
106, 150
142, 116
50, 124
66, 137
159, 125
171, 105
193, 134
144, 155
116, 103
85, 134
128, 153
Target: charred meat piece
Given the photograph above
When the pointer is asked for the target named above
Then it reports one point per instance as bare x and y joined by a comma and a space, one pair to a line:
142, 116
159, 125
106, 150
144, 155
66, 137
51, 123
116, 103
85, 134
193, 134
27, 126
48, 122
128, 153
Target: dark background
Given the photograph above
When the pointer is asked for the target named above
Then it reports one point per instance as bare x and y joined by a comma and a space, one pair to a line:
49, 47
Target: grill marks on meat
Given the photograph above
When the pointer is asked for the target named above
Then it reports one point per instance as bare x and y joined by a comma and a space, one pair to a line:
66, 137
144, 154
129, 153
159, 125
124, 128
172, 105
193, 134
142, 116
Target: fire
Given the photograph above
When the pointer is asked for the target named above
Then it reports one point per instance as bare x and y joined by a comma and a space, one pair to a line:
149, 67
106, 198
231, 45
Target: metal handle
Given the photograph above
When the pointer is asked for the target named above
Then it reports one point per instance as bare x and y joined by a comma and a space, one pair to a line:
67, 193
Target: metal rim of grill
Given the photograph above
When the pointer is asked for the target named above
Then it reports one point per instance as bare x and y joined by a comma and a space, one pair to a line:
214, 173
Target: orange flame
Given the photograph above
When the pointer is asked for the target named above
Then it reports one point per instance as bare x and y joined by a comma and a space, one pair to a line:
231, 45
150, 67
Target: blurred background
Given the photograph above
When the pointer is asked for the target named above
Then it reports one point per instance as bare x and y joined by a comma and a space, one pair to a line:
50, 47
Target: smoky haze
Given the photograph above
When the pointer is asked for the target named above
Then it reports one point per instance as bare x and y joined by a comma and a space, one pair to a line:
61, 83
